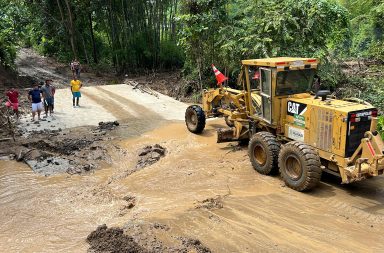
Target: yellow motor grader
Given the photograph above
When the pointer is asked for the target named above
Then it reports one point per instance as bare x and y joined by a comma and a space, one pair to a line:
290, 128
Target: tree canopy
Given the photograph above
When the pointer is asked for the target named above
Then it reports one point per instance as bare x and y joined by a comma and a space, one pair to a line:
190, 33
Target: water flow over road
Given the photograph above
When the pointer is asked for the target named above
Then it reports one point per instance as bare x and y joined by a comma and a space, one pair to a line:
200, 189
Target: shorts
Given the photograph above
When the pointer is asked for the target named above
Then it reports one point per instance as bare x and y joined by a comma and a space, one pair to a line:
48, 101
15, 106
76, 94
37, 107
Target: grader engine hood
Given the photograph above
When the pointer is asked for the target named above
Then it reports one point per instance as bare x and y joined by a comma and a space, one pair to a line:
334, 125
342, 131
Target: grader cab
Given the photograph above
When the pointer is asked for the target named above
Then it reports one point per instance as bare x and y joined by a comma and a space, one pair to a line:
290, 129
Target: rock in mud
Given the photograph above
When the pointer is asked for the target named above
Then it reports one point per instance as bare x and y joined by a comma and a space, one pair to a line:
105, 239
150, 155
130, 203
108, 125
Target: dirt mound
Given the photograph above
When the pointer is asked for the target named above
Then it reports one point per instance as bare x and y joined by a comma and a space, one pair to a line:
150, 155
66, 146
108, 125
73, 151
195, 244
105, 239
142, 237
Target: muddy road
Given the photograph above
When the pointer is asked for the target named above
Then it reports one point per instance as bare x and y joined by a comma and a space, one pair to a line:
198, 197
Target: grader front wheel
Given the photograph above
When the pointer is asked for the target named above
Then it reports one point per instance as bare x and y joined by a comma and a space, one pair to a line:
195, 119
263, 151
300, 166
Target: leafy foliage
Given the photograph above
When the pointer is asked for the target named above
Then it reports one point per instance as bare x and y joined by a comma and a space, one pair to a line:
367, 24
227, 31
380, 126
12, 29
126, 34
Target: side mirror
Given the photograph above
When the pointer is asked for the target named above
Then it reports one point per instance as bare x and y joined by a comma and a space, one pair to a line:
323, 94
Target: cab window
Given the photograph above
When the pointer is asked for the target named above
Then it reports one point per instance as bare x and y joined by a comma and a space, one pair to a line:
294, 81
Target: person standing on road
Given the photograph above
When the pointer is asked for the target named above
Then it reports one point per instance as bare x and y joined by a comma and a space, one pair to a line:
34, 96
75, 68
13, 100
75, 89
48, 91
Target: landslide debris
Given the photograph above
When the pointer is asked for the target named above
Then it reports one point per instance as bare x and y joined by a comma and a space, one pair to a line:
72, 151
140, 237
105, 239
147, 156
108, 125
150, 155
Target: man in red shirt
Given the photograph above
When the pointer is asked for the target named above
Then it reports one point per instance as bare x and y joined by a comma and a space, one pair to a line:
13, 100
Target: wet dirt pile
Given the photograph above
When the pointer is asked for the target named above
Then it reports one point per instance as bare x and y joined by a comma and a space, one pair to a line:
105, 239
146, 156
108, 125
73, 151
136, 238
150, 155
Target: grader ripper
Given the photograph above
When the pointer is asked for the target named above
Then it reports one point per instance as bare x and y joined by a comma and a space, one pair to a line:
291, 129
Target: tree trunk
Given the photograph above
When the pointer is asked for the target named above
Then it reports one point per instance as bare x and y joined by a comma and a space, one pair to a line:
85, 49
92, 38
71, 29
63, 21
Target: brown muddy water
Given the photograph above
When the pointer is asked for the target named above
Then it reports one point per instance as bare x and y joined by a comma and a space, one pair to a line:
200, 190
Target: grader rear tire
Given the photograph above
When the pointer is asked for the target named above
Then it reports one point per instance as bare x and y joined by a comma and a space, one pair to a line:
263, 151
300, 166
195, 119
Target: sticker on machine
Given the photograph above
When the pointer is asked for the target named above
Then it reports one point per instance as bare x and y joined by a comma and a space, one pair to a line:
296, 133
299, 120
296, 108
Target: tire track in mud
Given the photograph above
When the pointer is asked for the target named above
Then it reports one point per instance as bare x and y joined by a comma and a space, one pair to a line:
346, 209
138, 118
110, 105
141, 110
282, 227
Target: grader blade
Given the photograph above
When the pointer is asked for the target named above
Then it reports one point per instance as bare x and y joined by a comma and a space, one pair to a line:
225, 135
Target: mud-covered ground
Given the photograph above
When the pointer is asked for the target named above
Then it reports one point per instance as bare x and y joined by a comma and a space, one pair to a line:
199, 196
140, 182
72, 151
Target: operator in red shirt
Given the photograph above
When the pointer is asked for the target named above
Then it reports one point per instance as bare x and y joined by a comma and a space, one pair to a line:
13, 100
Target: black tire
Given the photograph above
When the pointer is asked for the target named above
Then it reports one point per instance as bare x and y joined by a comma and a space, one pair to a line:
228, 122
263, 151
195, 119
300, 166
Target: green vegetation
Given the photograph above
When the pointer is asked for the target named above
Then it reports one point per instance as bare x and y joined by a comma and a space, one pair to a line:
12, 30
226, 31
193, 34
380, 126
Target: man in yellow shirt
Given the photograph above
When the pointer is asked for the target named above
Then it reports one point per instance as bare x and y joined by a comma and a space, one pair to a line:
75, 88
